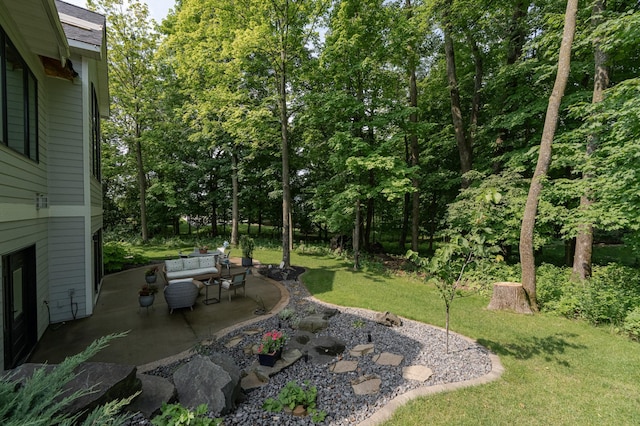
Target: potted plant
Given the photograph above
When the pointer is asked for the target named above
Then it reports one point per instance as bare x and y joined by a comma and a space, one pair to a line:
146, 295
150, 275
247, 245
271, 346
203, 249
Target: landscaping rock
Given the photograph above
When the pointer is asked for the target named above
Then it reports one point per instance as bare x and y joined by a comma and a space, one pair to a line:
155, 391
419, 373
326, 346
366, 385
200, 381
107, 381
313, 323
388, 319
361, 350
387, 358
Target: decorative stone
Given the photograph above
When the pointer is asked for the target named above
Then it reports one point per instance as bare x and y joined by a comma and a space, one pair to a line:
253, 381
299, 411
200, 381
366, 385
329, 313
313, 323
387, 358
343, 366
388, 319
328, 345
233, 342
361, 350
252, 331
419, 373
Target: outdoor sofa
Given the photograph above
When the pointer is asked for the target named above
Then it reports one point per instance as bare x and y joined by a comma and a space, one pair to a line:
190, 267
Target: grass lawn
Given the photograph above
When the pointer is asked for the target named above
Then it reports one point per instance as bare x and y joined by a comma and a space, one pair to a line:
557, 371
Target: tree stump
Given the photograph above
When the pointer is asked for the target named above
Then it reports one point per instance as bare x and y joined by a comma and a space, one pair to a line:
510, 296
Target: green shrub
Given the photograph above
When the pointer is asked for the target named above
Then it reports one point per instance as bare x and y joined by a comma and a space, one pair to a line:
632, 324
293, 395
610, 294
177, 415
117, 254
553, 288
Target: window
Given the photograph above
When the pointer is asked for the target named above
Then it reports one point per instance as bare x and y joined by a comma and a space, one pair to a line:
95, 135
19, 101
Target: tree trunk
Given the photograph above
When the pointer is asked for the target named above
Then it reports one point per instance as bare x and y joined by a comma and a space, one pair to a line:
415, 148
517, 38
356, 238
142, 186
527, 259
511, 297
584, 239
286, 189
464, 149
235, 214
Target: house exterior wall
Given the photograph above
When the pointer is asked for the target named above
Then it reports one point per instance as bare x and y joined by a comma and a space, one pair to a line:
62, 231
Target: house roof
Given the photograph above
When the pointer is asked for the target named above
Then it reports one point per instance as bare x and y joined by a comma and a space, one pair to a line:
84, 29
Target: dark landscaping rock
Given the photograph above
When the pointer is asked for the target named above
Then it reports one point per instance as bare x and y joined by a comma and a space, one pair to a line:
155, 391
323, 349
108, 382
313, 323
388, 319
200, 381
330, 313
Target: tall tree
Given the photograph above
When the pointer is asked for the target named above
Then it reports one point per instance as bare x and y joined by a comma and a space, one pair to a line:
527, 258
584, 239
132, 43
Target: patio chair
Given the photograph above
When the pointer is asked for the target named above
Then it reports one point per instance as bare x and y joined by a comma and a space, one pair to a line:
237, 281
223, 260
181, 293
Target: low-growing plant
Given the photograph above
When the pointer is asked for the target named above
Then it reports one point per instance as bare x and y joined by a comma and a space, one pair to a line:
286, 314
177, 415
359, 323
293, 395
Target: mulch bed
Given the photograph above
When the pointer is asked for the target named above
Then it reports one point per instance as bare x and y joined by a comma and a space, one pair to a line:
278, 274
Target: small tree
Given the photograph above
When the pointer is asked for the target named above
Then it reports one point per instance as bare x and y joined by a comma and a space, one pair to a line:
446, 268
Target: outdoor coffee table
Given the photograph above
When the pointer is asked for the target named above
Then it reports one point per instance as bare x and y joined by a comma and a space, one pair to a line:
208, 283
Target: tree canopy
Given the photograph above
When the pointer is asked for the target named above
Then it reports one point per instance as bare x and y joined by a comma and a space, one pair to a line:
335, 117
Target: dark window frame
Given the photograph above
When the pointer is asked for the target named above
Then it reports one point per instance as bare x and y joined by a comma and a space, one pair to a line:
30, 106
96, 166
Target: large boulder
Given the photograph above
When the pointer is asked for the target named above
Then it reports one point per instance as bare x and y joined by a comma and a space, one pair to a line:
201, 381
107, 382
388, 319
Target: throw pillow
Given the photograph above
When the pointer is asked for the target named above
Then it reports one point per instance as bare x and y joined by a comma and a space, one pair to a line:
173, 265
191, 263
207, 262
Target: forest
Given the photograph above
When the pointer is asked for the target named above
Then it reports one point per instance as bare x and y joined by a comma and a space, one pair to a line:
398, 124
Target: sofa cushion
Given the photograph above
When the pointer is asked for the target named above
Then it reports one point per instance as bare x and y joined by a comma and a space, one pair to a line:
173, 265
191, 263
181, 280
190, 273
207, 262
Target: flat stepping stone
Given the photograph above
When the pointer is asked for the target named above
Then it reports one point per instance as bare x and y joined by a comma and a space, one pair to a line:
252, 381
252, 331
366, 385
387, 358
419, 373
233, 342
343, 366
361, 350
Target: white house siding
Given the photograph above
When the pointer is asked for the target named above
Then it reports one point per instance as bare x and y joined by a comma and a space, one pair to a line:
65, 143
21, 224
67, 279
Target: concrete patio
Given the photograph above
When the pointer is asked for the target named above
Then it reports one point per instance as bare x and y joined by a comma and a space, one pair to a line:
154, 333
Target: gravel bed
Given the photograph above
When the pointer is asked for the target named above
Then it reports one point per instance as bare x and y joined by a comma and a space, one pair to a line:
420, 344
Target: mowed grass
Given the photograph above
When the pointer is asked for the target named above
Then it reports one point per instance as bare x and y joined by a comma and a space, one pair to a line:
557, 371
